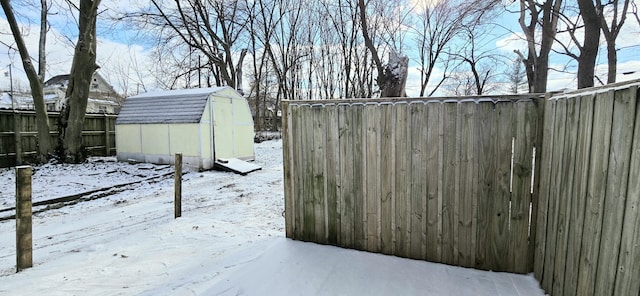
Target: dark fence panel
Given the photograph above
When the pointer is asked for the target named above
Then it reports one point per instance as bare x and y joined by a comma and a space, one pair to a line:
18, 135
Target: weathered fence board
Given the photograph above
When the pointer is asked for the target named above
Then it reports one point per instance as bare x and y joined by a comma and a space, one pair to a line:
419, 178
18, 135
587, 245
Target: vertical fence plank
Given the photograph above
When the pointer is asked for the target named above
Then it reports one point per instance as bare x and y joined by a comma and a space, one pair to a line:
17, 133
449, 183
402, 178
24, 240
554, 170
346, 237
468, 185
538, 133
628, 271
107, 136
486, 166
598, 171
288, 167
332, 173
433, 156
577, 198
387, 173
521, 186
417, 208
555, 217
308, 160
359, 203
372, 180
499, 221
624, 109
542, 224
564, 190
318, 174
297, 132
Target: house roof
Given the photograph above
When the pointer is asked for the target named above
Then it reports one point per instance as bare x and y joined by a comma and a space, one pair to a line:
56, 80
173, 106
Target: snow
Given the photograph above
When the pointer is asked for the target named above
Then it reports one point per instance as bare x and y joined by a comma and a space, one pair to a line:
229, 241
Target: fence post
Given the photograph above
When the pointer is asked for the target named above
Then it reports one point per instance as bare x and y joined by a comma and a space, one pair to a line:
24, 243
178, 186
18, 136
107, 136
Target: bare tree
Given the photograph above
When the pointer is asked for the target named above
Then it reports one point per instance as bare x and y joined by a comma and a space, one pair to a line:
516, 76
611, 30
590, 45
36, 79
392, 77
477, 58
538, 18
71, 122
436, 27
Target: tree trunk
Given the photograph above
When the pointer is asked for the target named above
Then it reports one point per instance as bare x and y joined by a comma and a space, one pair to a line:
537, 63
392, 78
392, 83
36, 84
589, 52
612, 59
82, 69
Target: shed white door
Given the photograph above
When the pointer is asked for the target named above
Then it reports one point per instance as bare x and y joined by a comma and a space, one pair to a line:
223, 127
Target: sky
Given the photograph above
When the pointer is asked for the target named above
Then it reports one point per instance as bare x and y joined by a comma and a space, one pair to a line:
125, 59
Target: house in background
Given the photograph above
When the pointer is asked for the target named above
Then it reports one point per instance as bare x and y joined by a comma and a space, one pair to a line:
102, 97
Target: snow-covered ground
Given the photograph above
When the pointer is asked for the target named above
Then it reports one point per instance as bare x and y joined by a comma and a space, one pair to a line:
229, 241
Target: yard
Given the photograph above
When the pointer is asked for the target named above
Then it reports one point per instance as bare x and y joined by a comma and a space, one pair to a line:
229, 240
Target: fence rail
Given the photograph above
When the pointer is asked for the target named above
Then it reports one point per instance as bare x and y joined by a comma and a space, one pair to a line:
588, 232
18, 135
437, 179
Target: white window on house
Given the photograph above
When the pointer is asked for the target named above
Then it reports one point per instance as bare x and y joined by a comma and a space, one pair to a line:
102, 109
94, 85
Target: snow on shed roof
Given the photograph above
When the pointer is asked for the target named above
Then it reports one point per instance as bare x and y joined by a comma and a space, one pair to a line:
173, 106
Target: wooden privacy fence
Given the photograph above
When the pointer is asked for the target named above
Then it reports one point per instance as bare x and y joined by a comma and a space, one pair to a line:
446, 180
588, 229
18, 135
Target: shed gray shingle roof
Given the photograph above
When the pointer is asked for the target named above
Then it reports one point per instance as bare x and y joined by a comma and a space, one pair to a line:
174, 106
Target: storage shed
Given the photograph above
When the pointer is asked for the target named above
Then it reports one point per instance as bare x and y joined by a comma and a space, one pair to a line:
205, 125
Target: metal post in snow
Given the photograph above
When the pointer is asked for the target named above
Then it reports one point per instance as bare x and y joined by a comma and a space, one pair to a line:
178, 186
24, 241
